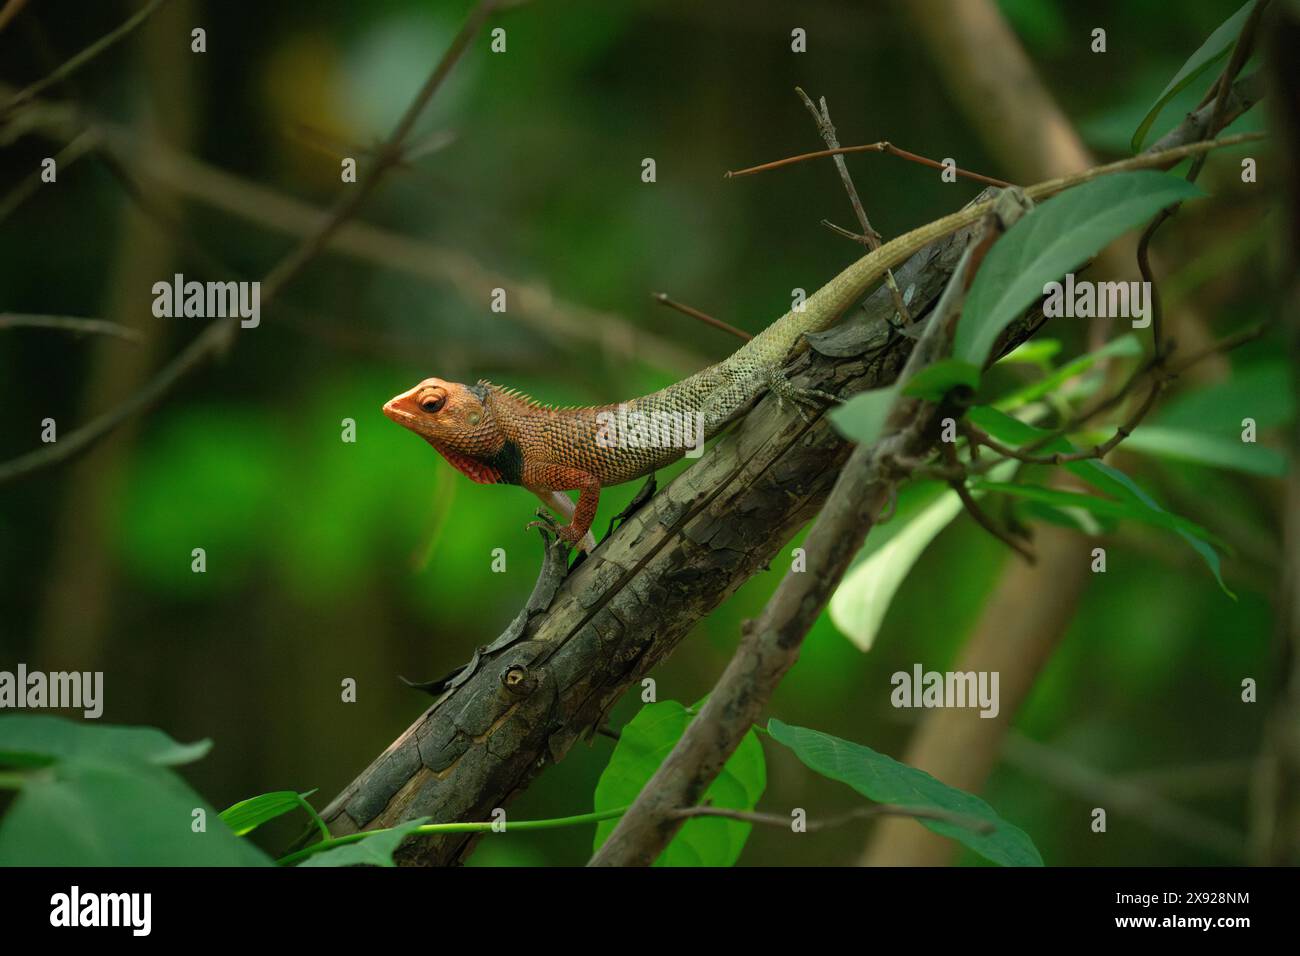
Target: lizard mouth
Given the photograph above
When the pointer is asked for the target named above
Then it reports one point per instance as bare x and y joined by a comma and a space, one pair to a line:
395, 409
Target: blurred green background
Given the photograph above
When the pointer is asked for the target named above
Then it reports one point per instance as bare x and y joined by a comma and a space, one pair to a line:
328, 560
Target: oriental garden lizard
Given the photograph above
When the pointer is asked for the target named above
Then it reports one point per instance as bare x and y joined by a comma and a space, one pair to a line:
496, 435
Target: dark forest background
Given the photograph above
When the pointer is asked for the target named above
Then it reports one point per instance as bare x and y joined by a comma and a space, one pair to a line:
329, 560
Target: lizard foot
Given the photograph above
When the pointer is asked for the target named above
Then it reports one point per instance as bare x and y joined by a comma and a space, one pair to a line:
585, 542
801, 398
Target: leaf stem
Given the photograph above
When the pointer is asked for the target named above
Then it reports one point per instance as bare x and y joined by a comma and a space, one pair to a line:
429, 828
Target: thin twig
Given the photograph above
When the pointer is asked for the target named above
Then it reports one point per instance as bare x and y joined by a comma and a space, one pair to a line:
882, 147
870, 237
988, 524
75, 148
76, 62
662, 299
846, 233
66, 323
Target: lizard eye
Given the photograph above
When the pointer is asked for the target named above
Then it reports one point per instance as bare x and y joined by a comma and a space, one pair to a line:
433, 403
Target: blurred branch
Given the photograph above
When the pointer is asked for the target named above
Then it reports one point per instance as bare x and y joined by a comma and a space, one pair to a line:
218, 337
532, 304
76, 62
10, 10
76, 147
63, 323
1123, 799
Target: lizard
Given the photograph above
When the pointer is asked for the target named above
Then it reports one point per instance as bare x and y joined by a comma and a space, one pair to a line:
496, 435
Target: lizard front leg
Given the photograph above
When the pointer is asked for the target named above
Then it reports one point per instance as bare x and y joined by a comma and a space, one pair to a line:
549, 482
800, 398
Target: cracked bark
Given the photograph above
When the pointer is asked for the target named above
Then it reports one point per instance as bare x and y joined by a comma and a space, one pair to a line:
633, 601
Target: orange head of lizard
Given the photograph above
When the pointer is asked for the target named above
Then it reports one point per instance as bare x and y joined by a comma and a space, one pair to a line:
456, 420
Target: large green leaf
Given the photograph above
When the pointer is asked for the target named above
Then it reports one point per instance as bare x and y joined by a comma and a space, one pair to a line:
1260, 391
247, 815
374, 850
1055, 238
38, 739
1215, 48
1105, 478
1107, 507
643, 744
86, 812
885, 780
1198, 447
860, 601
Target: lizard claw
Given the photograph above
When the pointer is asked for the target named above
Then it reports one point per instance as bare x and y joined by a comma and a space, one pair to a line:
546, 523
801, 398
566, 533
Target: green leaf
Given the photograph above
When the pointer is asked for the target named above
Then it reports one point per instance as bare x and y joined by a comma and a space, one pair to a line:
247, 815
1105, 478
39, 739
643, 744
84, 812
1210, 52
375, 850
862, 418
1106, 507
1059, 235
935, 381
1037, 352
1261, 390
1099, 470
858, 606
859, 603
1126, 346
1204, 449
885, 780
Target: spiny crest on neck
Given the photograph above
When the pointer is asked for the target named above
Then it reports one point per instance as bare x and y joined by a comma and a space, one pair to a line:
519, 397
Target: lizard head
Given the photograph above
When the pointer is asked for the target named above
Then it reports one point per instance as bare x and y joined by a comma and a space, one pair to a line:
453, 418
